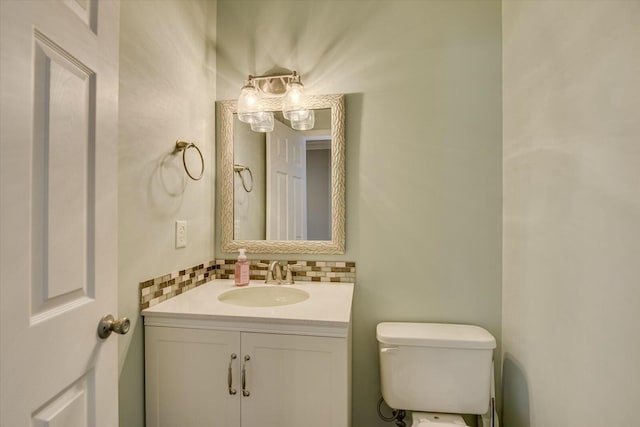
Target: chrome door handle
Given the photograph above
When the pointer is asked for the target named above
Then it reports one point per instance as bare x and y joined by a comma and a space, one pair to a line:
232, 391
245, 392
108, 324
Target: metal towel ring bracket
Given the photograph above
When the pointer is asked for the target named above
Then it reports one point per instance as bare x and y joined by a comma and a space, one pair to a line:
239, 169
184, 146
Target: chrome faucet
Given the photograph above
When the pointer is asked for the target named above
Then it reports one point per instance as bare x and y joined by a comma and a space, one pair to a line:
279, 274
274, 272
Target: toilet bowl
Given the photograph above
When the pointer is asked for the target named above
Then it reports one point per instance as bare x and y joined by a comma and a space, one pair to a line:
434, 419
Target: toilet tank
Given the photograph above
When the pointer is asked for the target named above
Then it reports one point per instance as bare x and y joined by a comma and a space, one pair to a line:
435, 367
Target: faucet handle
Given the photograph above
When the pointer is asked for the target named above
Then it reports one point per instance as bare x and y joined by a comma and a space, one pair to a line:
288, 269
264, 265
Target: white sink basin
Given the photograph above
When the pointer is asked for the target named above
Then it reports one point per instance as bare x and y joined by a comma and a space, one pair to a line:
264, 296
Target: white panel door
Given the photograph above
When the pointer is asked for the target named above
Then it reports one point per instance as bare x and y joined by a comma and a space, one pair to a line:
58, 184
286, 184
295, 381
192, 377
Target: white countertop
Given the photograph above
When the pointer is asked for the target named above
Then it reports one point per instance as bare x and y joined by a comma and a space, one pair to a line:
327, 311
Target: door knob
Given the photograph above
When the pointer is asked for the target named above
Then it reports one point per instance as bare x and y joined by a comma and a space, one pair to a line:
108, 324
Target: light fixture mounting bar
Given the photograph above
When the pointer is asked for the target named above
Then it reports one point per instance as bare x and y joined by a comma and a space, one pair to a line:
274, 85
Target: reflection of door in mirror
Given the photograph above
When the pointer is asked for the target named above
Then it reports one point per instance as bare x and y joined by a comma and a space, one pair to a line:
286, 184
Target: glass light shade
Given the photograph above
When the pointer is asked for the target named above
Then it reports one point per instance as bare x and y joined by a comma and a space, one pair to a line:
306, 123
263, 122
293, 103
297, 115
248, 103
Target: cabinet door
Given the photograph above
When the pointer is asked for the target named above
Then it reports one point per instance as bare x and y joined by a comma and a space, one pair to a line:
295, 381
187, 377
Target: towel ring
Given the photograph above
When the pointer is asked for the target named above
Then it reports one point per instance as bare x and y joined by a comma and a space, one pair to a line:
239, 169
184, 146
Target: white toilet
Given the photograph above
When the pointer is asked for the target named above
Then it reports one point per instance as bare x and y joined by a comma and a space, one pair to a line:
436, 370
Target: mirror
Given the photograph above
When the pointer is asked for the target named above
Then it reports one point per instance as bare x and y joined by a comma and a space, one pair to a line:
284, 191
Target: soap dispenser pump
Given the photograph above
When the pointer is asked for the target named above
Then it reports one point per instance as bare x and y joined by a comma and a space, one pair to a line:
242, 269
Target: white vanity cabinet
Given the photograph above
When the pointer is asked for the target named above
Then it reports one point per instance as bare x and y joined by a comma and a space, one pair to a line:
290, 380
185, 377
295, 372
295, 381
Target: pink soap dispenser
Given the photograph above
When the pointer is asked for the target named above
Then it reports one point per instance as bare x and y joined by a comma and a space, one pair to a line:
242, 269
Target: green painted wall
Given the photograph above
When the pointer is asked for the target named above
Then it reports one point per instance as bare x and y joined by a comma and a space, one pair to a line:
571, 304
424, 123
167, 59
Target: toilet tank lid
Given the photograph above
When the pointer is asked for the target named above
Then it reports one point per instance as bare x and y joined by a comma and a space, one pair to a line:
444, 335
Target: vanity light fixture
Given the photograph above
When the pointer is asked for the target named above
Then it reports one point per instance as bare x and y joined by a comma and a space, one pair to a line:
248, 103
262, 121
288, 86
305, 123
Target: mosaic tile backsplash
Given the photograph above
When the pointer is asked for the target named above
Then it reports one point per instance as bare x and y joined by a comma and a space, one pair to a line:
162, 288
308, 271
